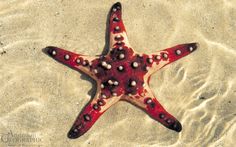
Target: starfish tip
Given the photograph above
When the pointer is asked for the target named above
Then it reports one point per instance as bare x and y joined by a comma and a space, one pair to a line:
193, 46
117, 5
177, 126
73, 134
50, 50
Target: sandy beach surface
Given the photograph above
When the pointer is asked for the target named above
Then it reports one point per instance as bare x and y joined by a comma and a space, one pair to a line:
41, 98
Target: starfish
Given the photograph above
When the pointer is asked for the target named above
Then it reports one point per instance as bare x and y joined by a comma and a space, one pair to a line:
121, 74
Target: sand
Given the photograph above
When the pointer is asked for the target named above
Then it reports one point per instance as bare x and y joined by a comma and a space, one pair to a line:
41, 98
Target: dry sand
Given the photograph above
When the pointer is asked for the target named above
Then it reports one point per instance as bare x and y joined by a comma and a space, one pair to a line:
41, 98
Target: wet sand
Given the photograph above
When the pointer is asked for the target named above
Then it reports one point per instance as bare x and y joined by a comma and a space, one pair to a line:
41, 98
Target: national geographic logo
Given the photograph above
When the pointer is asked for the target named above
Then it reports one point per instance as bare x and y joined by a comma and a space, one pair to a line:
23, 139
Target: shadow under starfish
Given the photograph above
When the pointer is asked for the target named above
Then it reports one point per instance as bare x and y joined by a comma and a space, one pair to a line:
121, 74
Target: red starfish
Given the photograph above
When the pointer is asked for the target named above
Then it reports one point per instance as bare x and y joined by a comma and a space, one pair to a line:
122, 74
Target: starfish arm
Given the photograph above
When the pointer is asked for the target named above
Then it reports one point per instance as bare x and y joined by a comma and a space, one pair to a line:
118, 35
149, 104
73, 60
89, 115
169, 55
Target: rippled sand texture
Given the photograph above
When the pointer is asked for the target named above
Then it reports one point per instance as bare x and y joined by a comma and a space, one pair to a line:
42, 97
